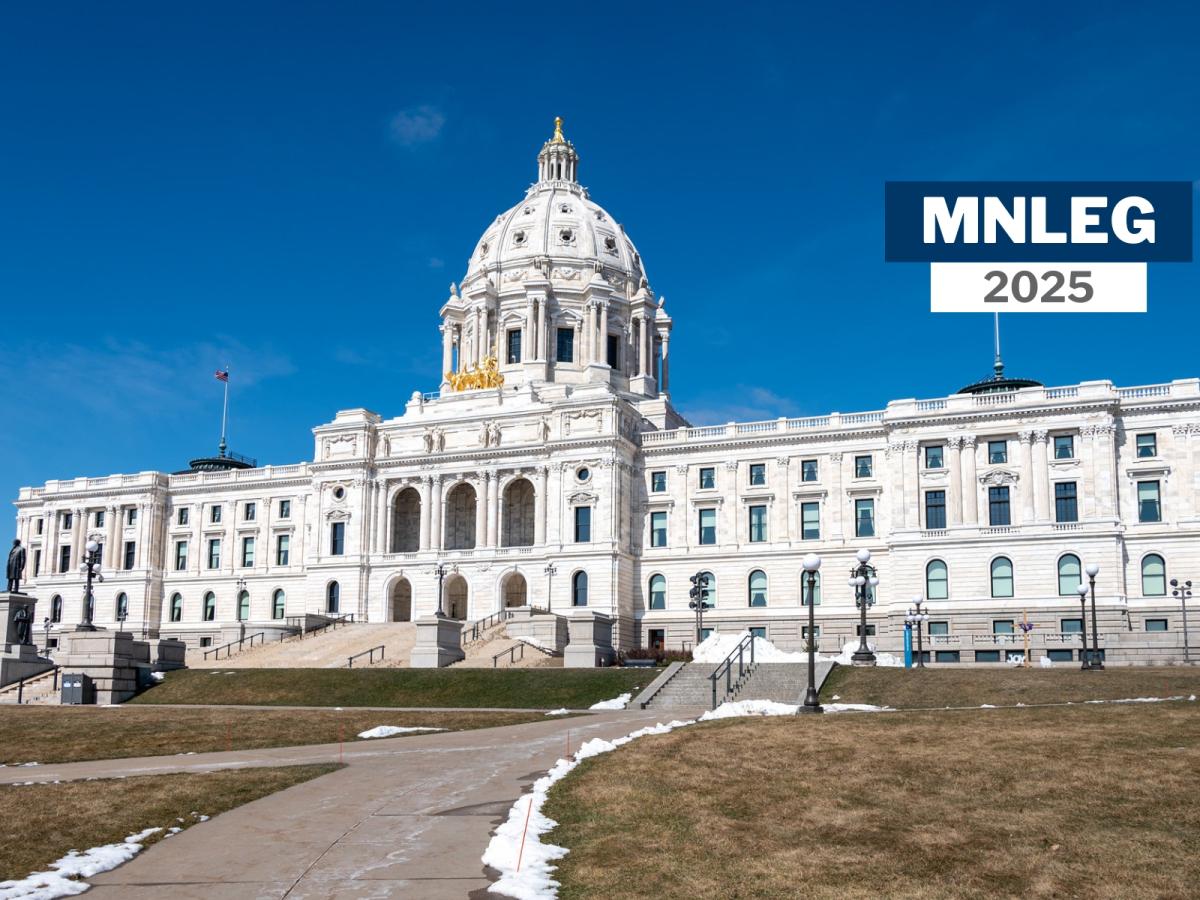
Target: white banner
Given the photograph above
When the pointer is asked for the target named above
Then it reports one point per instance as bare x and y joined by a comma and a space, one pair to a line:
1037, 287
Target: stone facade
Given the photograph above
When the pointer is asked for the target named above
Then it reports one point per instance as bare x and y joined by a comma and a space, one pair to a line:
576, 481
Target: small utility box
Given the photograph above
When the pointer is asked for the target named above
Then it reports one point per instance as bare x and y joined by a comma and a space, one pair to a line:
78, 690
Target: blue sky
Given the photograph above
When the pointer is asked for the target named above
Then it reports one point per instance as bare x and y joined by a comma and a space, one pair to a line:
290, 188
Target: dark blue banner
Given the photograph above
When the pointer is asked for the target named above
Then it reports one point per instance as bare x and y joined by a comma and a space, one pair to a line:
1038, 221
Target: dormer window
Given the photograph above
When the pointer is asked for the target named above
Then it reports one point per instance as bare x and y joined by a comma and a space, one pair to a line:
519, 238
567, 236
566, 208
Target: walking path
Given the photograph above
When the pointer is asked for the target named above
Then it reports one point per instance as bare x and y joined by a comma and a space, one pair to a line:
407, 817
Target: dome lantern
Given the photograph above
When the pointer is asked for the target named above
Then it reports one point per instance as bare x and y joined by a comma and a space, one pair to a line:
558, 160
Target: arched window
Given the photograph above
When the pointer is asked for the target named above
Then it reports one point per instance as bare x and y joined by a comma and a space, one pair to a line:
176, 608
758, 588
804, 589
579, 589
1002, 577
710, 594
1068, 575
122, 607
658, 592
937, 580
210, 607
243, 612
1154, 576
56, 609
333, 597
278, 603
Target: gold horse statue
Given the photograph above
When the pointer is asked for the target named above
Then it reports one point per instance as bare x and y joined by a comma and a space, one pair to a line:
473, 378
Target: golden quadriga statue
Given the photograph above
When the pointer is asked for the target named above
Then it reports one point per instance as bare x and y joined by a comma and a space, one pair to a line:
472, 378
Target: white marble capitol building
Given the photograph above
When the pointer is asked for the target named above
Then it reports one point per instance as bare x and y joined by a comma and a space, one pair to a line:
574, 482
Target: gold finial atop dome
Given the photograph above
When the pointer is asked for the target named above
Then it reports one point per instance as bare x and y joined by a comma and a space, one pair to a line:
558, 135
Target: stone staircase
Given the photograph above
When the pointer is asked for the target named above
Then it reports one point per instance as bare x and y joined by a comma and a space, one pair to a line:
781, 682
482, 655
326, 650
40, 690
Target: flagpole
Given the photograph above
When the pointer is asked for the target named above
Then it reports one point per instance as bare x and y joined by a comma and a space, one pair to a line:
224, 411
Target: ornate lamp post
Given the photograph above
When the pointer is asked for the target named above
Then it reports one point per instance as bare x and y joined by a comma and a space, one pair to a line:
863, 578
550, 571
1183, 593
916, 616
812, 703
46, 625
699, 602
1082, 590
90, 567
441, 570
241, 587
1092, 571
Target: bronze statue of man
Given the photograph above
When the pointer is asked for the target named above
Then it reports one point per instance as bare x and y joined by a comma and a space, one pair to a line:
16, 567
23, 620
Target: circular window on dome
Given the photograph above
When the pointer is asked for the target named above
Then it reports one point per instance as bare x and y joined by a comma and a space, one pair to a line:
528, 211
583, 473
566, 208
567, 236
599, 215
610, 244
519, 238
339, 493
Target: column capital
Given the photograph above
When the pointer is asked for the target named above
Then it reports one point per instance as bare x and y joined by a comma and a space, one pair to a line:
954, 442
1025, 437
1041, 436
969, 440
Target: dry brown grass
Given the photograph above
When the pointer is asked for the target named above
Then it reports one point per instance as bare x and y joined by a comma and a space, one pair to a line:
49, 734
936, 688
42, 822
1080, 801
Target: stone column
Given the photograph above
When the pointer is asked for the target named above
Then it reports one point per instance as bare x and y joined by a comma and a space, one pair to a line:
1026, 483
540, 338
539, 507
648, 338
970, 489
1105, 474
383, 534
1185, 504
528, 345
912, 485
483, 508
1041, 478
112, 526
836, 505
426, 511
579, 340
447, 350
77, 523
1087, 490
229, 546
954, 488
603, 334
665, 387
436, 538
781, 531
894, 454
638, 328
196, 544
493, 507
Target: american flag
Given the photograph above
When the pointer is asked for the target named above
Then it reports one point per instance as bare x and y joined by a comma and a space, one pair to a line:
222, 375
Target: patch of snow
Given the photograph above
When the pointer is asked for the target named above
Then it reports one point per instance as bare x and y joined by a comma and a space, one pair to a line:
27, 765
615, 703
844, 657
382, 731
158, 676
61, 878
750, 708
558, 712
989, 706
1192, 698
835, 697
534, 642
854, 707
718, 645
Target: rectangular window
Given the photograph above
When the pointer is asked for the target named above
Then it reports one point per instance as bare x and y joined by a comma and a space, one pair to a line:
1147, 445
180, 556
214, 514
758, 474
248, 551
285, 509
946, 656
41, 526
708, 526
1064, 446
1156, 624
862, 467
708, 478
1149, 508
99, 518
658, 529
337, 538
283, 546
614, 351
758, 631
939, 628
67, 521
987, 656
1060, 655
816, 632
1070, 626
999, 512
130, 550
1002, 626
997, 452
658, 482
870, 630
810, 521
64, 559
214, 553
205, 642
758, 524
656, 638
809, 470
249, 511
935, 509
1066, 506
37, 562
933, 457
864, 518
514, 346
565, 345
182, 516
583, 524
131, 516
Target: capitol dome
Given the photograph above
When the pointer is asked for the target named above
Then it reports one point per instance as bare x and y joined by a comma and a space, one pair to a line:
557, 225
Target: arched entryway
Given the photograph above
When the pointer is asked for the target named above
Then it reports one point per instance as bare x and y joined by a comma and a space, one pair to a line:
406, 521
517, 530
454, 599
516, 591
400, 607
460, 517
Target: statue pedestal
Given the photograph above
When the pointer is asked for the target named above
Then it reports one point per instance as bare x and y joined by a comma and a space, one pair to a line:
18, 659
439, 643
111, 658
590, 640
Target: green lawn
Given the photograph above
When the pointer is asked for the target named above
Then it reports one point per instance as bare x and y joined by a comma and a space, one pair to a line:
473, 688
936, 688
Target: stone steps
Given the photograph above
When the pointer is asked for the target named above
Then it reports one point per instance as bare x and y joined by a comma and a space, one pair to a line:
327, 650
780, 682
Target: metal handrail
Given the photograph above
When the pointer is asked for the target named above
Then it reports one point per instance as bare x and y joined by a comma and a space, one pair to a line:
261, 636
20, 685
478, 627
371, 653
512, 654
331, 625
726, 668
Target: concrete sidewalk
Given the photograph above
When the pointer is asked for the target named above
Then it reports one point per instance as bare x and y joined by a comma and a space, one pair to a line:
407, 817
